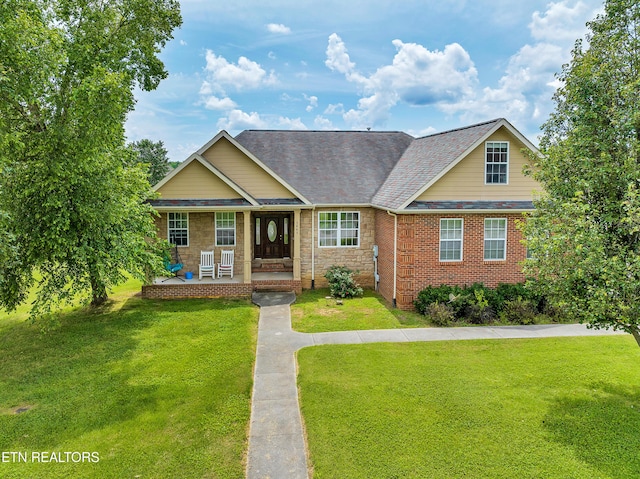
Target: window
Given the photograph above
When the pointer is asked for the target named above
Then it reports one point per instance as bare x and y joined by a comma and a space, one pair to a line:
179, 229
226, 228
496, 162
450, 239
495, 239
338, 229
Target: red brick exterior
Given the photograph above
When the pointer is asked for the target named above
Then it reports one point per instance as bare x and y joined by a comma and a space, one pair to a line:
211, 290
418, 247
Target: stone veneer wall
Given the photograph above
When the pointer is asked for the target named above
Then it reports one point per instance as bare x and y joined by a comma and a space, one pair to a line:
202, 237
356, 258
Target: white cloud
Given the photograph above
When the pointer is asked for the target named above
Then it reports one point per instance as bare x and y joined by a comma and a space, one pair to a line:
416, 76
313, 102
183, 43
322, 123
214, 103
278, 28
272, 56
291, 123
560, 22
244, 75
238, 120
337, 109
524, 92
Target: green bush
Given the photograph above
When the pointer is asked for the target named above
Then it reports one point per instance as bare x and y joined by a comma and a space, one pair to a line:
342, 283
479, 304
435, 294
519, 311
440, 314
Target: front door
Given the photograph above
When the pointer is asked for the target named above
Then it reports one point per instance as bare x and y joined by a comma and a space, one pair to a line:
273, 236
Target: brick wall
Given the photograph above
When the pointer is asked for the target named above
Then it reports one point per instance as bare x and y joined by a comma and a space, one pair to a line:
195, 290
384, 238
356, 258
418, 263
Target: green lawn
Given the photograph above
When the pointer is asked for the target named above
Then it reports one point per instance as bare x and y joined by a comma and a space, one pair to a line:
155, 388
542, 408
315, 312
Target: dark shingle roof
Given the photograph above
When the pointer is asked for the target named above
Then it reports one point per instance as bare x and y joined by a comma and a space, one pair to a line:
425, 159
471, 205
329, 167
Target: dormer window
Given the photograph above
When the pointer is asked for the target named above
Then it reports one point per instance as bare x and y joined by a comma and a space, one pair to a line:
496, 162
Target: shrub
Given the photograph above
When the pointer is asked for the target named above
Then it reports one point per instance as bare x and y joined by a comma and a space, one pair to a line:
478, 311
440, 314
519, 311
342, 283
435, 294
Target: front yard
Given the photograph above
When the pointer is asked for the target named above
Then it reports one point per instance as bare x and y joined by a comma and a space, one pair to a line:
150, 388
552, 408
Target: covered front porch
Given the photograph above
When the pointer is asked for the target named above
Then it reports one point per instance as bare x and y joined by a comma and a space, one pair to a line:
266, 247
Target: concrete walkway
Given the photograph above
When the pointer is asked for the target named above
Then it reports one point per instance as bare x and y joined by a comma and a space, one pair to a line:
276, 439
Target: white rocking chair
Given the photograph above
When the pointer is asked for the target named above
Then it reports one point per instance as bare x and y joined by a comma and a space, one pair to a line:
207, 266
226, 263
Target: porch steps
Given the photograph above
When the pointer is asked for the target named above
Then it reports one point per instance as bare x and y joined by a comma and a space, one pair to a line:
272, 266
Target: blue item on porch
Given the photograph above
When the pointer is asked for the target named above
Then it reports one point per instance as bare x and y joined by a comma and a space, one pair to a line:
173, 264
188, 275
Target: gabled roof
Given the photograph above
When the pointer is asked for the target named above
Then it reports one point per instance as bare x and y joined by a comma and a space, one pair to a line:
329, 167
256, 159
196, 157
429, 158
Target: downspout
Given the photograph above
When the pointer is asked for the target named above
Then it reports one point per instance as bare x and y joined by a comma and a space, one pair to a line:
395, 256
313, 248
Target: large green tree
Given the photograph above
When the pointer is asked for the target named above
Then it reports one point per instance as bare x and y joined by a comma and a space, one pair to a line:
585, 233
154, 156
73, 215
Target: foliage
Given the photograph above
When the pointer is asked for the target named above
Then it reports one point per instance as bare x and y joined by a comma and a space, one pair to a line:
584, 235
479, 304
154, 156
440, 314
73, 204
518, 311
342, 284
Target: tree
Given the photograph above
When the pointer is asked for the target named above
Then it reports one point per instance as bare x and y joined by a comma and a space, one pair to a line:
73, 209
154, 156
584, 235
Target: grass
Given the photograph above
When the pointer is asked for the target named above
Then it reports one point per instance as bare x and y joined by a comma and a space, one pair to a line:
155, 388
552, 408
315, 312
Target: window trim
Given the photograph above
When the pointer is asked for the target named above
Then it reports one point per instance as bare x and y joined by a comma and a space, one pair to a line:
487, 163
169, 229
461, 241
339, 230
484, 242
216, 229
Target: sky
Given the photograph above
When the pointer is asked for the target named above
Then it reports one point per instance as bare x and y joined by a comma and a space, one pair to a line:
418, 66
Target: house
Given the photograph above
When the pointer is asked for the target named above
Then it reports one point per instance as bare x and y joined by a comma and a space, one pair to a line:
404, 212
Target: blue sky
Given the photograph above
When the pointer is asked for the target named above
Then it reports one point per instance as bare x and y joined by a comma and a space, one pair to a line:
417, 66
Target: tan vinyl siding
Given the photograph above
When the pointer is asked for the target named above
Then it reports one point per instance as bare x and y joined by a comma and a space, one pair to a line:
196, 181
465, 181
244, 171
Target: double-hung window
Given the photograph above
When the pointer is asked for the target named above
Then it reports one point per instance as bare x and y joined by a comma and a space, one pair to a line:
495, 239
338, 228
496, 162
451, 239
178, 229
225, 228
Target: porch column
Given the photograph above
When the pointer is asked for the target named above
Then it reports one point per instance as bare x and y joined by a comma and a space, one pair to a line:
247, 246
296, 245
